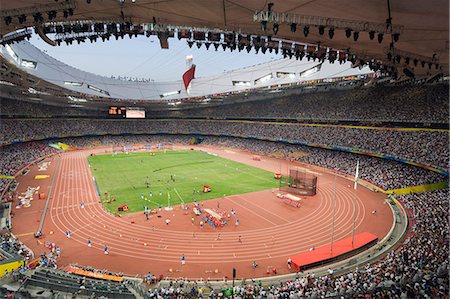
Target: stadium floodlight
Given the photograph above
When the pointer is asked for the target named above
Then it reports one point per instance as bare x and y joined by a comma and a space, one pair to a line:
348, 32
51, 14
293, 27
8, 20
263, 25
380, 38
276, 27
306, 31
396, 36
321, 30
331, 33
22, 19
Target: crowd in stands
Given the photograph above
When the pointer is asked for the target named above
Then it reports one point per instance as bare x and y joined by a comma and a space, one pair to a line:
426, 147
425, 103
409, 103
11, 245
17, 156
16, 108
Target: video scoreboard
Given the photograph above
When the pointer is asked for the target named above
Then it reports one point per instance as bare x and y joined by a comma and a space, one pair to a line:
117, 111
126, 112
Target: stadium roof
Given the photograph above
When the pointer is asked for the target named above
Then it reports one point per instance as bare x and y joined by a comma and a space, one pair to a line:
422, 26
30, 59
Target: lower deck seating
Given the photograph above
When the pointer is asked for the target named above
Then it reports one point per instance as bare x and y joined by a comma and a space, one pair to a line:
69, 283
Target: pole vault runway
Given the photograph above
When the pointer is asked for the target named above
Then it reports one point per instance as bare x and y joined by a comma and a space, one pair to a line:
269, 230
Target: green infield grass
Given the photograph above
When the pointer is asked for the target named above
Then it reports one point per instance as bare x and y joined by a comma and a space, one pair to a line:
172, 177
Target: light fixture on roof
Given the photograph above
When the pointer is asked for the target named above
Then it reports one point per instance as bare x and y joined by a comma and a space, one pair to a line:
263, 25
306, 31
38, 17
8, 20
396, 37
321, 30
293, 27
380, 38
22, 19
348, 32
331, 33
51, 14
276, 27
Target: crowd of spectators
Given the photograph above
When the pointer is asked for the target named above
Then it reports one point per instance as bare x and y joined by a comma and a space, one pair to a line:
417, 103
427, 147
17, 108
10, 245
408, 103
17, 156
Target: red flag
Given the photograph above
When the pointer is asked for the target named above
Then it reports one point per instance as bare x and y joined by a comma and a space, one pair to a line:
188, 76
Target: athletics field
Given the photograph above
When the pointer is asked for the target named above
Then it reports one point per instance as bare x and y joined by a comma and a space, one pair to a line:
140, 179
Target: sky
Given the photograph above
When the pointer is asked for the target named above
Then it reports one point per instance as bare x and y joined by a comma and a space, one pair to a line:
143, 57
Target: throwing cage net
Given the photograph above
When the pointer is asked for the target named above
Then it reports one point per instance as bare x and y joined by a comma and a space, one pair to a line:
299, 182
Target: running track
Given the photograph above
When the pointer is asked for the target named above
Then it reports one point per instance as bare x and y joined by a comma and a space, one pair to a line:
271, 231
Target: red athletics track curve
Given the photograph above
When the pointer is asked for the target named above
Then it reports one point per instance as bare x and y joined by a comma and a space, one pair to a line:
270, 230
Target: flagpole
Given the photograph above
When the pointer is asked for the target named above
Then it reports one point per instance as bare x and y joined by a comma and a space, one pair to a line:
354, 200
334, 209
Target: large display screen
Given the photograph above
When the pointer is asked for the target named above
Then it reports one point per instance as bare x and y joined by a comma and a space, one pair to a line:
117, 111
135, 113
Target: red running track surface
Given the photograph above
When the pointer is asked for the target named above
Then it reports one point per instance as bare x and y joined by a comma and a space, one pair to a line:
270, 230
